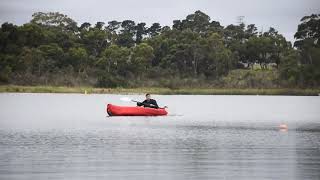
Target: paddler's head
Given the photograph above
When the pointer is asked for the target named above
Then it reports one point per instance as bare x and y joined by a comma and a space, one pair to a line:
148, 96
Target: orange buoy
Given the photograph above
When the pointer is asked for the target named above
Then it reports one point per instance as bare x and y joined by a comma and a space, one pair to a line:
283, 127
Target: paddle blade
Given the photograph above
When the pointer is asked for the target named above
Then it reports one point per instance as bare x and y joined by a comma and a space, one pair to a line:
126, 99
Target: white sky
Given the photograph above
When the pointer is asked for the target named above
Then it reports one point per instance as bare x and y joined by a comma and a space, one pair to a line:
284, 15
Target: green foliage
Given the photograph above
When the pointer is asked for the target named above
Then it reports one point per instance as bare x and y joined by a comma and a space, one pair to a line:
32, 35
244, 78
52, 49
33, 61
141, 58
141, 31
220, 58
5, 74
54, 19
154, 30
289, 67
308, 31
198, 22
115, 59
54, 55
308, 44
95, 39
111, 81
78, 58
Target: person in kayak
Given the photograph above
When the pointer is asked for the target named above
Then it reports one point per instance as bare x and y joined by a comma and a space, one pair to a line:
148, 102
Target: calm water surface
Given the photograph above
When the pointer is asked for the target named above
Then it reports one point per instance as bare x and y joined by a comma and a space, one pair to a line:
69, 136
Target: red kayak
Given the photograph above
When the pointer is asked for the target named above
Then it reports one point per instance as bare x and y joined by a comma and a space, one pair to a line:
113, 110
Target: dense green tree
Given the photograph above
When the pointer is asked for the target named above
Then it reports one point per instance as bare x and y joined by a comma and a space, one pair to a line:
251, 30
32, 35
9, 35
214, 27
99, 25
115, 59
308, 36
198, 22
34, 62
113, 28
307, 42
141, 31
8, 64
128, 31
289, 67
161, 48
54, 19
113, 25
78, 58
154, 30
95, 40
85, 26
308, 30
128, 26
220, 59
177, 24
54, 55
141, 58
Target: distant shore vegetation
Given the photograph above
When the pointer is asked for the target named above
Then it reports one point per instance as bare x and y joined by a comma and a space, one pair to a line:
159, 90
196, 52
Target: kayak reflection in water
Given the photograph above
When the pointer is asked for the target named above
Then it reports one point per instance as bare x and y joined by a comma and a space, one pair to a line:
151, 103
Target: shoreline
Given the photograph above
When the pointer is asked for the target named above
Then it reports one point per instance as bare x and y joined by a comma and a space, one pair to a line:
158, 90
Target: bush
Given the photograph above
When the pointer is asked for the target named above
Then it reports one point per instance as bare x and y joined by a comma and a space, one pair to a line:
109, 81
5, 74
251, 79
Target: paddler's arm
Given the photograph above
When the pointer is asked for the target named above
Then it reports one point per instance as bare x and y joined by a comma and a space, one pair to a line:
154, 103
141, 103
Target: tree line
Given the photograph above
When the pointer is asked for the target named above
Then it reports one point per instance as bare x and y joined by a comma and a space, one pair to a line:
52, 49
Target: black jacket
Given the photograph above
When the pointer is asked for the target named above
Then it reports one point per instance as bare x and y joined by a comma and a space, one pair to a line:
149, 103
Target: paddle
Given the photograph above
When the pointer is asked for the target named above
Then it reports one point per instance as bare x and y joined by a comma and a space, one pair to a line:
127, 99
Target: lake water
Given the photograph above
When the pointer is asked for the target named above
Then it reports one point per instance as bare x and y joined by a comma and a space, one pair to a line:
69, 136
